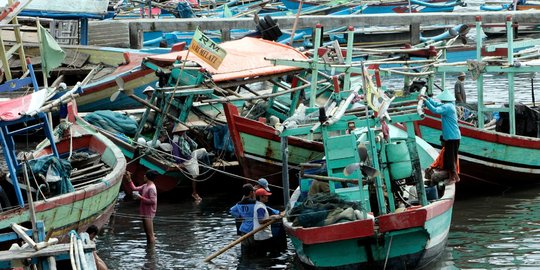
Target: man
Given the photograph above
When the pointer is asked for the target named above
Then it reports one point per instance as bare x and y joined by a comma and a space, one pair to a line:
262, 183
243, 210
147, 194
262, 216
459, 90
450, 130
92, 233
186, 152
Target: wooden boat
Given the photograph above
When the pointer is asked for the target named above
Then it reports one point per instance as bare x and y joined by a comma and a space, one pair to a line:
368, 166
100, 68
245, 67
95, 178
495, 30
496, 156
386, 7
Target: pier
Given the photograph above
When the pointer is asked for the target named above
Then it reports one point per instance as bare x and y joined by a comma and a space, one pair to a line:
415, 20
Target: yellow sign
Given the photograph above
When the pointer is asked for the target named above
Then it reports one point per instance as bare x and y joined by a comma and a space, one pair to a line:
206, 49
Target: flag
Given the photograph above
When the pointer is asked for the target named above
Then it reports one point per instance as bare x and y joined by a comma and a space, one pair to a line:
206, 49
51, 53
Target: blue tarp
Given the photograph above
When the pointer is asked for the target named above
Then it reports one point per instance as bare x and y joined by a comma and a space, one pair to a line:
112, 121
57, 172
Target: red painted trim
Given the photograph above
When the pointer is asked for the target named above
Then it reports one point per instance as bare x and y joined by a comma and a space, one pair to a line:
475, 133
230, 113
496, 52
261, 130
413, 218
334, 232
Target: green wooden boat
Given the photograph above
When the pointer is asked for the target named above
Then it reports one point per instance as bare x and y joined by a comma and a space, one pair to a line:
367, 204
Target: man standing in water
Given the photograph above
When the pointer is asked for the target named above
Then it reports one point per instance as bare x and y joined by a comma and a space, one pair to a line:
147, 194
450, 130
459, 90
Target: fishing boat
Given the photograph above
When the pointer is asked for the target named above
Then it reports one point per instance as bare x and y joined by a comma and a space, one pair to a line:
193, 88
495, 155
353, 199
99, 68
73, 177
495, 30
255, 137
383, 6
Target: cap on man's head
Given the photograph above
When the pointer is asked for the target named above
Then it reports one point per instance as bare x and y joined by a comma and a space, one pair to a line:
262, 192
263, 183
462, 74
151, 175
247, 189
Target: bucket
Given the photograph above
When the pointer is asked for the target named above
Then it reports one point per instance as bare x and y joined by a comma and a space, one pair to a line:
399, 160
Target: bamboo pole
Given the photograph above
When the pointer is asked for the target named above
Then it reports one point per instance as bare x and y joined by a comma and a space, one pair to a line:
235, 242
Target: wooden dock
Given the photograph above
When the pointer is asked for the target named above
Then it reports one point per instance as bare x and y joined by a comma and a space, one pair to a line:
138, 26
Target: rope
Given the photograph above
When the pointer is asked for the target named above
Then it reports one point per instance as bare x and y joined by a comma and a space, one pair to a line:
388, 251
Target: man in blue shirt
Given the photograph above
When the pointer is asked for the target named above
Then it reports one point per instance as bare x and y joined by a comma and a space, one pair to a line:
450, 130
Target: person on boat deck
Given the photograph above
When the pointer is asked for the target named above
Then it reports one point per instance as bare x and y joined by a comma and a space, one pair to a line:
261, 216
186, 152
450, 130
243, 210
92, 233
147, 194
459, 90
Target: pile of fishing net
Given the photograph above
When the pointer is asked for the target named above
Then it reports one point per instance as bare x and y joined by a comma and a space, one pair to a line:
324, 209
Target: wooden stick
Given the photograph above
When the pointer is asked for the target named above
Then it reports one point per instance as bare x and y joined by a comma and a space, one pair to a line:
242, 238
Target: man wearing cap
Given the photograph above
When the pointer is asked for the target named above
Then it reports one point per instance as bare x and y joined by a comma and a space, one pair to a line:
262, 216
262, 183
186, 152
459, 89
450, 130
147, 194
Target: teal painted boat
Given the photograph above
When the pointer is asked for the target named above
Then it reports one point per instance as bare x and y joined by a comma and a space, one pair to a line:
367, 203
96, 179
507, 154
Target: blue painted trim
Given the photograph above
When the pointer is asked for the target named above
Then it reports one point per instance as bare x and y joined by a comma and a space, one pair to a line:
83, 32
61, 15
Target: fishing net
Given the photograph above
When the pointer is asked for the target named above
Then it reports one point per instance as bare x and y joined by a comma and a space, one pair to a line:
323, 209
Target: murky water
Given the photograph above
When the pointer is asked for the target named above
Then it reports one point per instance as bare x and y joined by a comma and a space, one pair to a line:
488, 232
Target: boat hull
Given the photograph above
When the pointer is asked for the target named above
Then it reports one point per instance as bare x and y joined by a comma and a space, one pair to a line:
258, 148
488, 157
88, 205
406, 240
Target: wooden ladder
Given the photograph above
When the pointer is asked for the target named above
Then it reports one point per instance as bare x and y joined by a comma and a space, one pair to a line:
8, 19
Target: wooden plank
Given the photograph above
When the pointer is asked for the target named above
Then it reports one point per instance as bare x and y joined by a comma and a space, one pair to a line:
75, 179
76, 59
77, 172
58, 249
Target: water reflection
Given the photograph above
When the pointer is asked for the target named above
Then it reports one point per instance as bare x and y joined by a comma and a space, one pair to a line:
495, 232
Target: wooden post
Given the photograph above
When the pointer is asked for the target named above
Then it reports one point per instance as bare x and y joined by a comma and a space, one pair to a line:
285, 170
414, 30
225, 35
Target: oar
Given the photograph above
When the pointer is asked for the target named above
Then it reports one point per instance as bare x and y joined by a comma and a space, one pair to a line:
247, 235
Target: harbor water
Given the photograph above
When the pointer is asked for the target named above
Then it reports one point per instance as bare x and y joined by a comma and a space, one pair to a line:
497, 231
